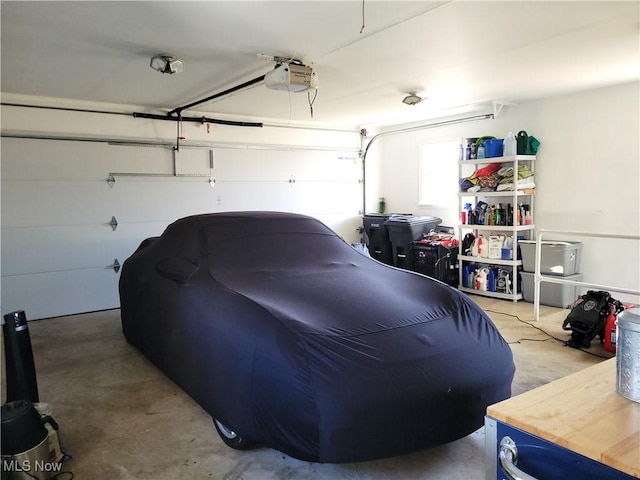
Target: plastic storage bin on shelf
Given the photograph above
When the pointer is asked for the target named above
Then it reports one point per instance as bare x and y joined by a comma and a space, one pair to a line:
558, 257
551, 294
405, 229
493, 147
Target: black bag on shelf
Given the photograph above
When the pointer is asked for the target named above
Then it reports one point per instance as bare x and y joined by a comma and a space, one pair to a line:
522, 142
525, 144
467, 241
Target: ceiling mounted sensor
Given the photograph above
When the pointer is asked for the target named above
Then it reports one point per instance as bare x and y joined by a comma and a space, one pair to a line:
412, 99
166, 64
291, 77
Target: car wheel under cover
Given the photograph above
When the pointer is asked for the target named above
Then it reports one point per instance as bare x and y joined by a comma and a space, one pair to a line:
232, 438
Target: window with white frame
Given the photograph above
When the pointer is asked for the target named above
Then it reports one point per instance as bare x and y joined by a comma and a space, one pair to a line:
438, 173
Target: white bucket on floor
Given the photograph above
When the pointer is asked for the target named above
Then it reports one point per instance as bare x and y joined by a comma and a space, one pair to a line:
628, 354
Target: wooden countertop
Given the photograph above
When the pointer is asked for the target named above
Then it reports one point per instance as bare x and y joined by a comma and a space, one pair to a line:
583, 413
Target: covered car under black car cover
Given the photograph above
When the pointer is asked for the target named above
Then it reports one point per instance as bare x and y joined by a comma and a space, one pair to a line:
289, 336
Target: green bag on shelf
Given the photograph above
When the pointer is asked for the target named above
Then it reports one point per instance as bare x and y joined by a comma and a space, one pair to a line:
526, 145
532, 146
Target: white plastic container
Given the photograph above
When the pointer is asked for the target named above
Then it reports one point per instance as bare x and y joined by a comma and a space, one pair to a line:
481, 280
483, 247
495, 246
510, 145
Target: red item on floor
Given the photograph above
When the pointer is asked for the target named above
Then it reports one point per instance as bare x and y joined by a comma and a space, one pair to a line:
610, 333
610, 330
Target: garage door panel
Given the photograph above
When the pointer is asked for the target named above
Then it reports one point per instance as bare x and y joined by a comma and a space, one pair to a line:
236, 165
40, 250
35, 159
329, 167
54, 294
49, 203
134, 199
255, 166
237, 196
81, 203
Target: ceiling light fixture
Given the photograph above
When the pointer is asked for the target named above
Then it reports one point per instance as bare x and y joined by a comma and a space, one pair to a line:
166, 64
411, 99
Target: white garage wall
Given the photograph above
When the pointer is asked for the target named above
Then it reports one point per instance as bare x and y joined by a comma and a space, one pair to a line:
58, 246
587, 173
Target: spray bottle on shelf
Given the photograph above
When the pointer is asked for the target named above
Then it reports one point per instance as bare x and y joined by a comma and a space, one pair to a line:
528, 220
464, 214
486, 213
522, 214
499, 215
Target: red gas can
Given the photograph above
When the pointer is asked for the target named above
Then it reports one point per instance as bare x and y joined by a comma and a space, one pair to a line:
610, 329
610, 333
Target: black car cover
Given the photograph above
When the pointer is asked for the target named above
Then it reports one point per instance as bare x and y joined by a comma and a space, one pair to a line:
295, 340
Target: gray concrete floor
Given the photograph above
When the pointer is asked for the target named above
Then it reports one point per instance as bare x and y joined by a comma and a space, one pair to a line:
120, 418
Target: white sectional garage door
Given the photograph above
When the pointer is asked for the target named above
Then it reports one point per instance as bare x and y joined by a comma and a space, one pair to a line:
59, 246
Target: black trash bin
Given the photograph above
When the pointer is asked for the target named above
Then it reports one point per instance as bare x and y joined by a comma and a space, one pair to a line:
403, 231
378, 241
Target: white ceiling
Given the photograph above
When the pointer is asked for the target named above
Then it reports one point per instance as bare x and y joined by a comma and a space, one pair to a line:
456, 54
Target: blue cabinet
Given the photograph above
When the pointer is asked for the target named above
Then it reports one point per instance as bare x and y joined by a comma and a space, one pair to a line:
542, 459
577, 427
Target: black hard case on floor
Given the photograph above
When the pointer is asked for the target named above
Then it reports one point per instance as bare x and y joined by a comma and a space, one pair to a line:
436, 261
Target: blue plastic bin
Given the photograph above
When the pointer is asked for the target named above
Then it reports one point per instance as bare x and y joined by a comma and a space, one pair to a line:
493, 148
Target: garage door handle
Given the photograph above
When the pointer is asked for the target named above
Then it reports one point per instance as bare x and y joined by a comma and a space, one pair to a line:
509, 458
